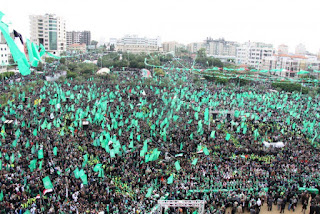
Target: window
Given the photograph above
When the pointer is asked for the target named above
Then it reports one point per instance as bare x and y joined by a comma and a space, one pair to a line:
53, 40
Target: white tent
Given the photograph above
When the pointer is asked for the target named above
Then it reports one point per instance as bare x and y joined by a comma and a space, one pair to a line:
103, 71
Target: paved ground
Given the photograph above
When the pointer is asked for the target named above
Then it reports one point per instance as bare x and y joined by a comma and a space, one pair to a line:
264, 209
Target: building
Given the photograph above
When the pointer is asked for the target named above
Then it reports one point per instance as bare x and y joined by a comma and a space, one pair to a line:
252, 54
78, 37
49, 30
4, 56
290, 64
300, 49
283, 49
194, 47
77, 48
220, 47
172, 46
135, 44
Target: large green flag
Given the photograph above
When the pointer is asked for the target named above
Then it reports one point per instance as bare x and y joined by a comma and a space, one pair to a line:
40, 154
76, 173
32, 165
47, 183
148, 195
1, 195
177, 165
18, 56
84, 179
206, 115
55, 151
194, 162
228, 137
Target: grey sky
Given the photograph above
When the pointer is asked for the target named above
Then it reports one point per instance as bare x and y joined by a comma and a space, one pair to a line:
274, 21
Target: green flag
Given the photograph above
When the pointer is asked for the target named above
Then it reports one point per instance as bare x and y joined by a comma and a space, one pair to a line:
55, 151
32, 165
40, 154
148, 195
170, 179
228, 137
47, 183
194, 162
177, 165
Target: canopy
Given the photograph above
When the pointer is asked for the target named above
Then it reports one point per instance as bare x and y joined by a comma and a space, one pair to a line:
103, 71
303, 72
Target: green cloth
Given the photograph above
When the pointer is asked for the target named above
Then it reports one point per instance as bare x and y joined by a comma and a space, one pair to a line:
47, 183
177, 165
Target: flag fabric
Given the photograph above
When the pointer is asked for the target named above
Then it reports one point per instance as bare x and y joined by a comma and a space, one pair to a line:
148, 195
47, 183
55, 151
40, 154
32, 59
18, 39
194, 162
1, 195
17, 55
1, 15
170, 179
177, 165
47, 191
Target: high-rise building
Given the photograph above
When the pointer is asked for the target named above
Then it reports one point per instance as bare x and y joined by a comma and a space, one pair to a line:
283, 49
49, 30
78, 37
253, 54
300, 49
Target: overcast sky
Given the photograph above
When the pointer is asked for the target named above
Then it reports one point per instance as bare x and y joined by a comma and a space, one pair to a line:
277, 22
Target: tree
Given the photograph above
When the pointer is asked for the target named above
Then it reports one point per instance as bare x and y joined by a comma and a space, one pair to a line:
112, 47
63, 60
94, 42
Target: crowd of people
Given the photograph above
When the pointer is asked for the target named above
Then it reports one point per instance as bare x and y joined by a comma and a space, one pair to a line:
145, 142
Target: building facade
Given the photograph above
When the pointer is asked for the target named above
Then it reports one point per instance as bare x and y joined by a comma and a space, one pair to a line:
78, 37
77, 48
135, 44
300, 49
172, 46
290, 64
283, 49
253, 54
4, 55
221, 47
49, 30
195, 46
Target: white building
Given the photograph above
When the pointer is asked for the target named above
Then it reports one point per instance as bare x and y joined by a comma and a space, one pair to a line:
195, 46
253, 54
135, 44
4, 56
221, 47
50, 31
172, 46
283, 49
290, 64
300, 49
